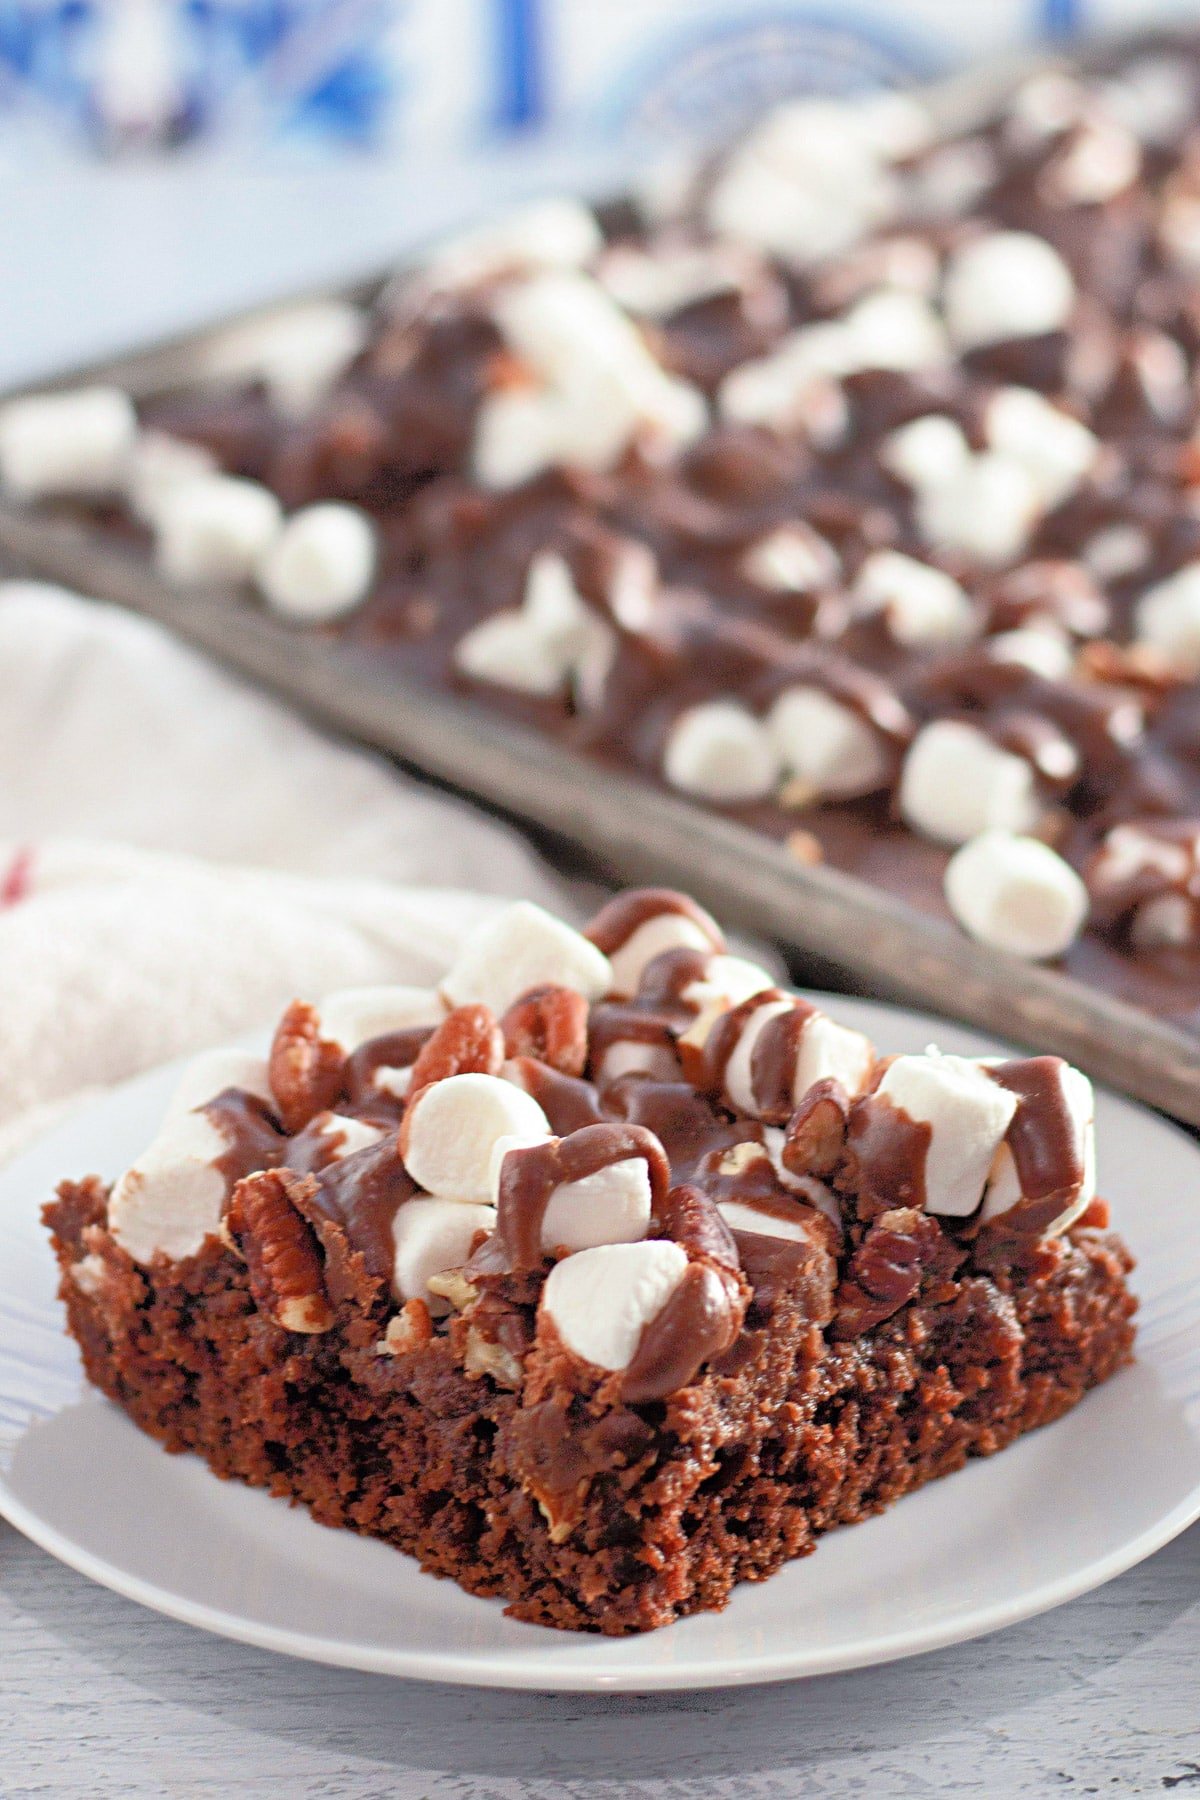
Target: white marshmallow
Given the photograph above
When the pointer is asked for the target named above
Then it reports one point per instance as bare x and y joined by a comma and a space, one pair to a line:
521, 948
552, 639
1167, 618
610, 1207
352, 1016
968, 1114
344, 1134
792, 559
169, 1201
1116, 551
1055, 449
1016, 894
451, 1129
77, 442
297, 352
740, 1217
808, 182
923, 605
944, 184
827, 1051
321, 564
662, 281
158, 466
210, 1073
726, 983
1042, 648
825, 744
600, 385
887, 329
720, 751
215, 528
665, 931
929, 452
956, 783
1042, 107
431, 1236
1164, 922
630, 1056
1153, 97
601, 1300
1009, 284
1102, 162
987, 509
555, 233
1004, 1185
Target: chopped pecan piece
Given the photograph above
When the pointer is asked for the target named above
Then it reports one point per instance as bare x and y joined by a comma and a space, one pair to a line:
549, 1024
306, 1070
409, 1329
816, 1133
901, 1249
279, 1250
467, 1042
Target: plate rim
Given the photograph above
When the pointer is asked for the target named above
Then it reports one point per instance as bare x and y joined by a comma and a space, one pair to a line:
541, 1671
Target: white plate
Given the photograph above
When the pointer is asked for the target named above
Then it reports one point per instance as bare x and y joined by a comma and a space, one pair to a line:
1060, 1512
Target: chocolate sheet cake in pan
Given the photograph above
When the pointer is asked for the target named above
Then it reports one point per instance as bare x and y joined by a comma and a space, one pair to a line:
818, 526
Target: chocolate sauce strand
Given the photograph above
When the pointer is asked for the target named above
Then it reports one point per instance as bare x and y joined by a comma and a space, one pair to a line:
1045, 1141
568, 1102
773, 1062
251, 1131
889, 1150
393, 1050
531, 1174
362, 1194
617, 921
723, 1038
697, 1322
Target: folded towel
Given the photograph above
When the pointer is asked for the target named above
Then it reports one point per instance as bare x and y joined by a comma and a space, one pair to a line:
180, 855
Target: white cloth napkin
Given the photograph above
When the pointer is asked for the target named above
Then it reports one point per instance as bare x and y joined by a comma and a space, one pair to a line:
179, 856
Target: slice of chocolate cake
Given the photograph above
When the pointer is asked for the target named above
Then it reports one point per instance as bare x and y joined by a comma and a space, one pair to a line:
605, 1277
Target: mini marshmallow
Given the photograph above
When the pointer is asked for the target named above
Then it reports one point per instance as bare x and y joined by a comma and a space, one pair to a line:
826, 744
720, 751
321, 564
1167, 618
665, 931
451, 1129
929, 452
431, 1236
957, 783
522, 431
1009, 284
610, 1207
740, 1217
77, 442
727, 981
1016, 894
297, 352
343, 1134
555, 233
632, 1056
944, 184
792, 559
1004, 1184
1055, 449
353, 1016
826, 1051
210, 1073
158, 466
522, 948
1041, 648
986, 509
169, 1201
1103, 160
216, 528
923, 605
1116, 551
1154, 97
553, 638
506, 651
968, 1114
659, 282
601, 1300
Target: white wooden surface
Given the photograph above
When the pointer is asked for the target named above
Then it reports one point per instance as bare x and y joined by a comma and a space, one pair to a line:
99, 1698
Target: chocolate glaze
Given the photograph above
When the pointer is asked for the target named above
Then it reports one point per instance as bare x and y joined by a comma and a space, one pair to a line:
530, 1175
393, 1050
253, 1135
1046, 1144
698, 1322
773, 1063
361, 1195
616, 922
888, 1149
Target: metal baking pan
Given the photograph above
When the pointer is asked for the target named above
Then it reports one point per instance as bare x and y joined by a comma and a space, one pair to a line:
842, 930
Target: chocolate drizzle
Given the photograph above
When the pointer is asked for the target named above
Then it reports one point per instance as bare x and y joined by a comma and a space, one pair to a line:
616, 922
252, 1134
530, 1176
773, 1062
888, 1149
698, 1322
392, 1050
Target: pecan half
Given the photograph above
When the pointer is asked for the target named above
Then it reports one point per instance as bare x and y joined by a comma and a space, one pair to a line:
549, 1024
279, 1250
816, 1133
467, 1042
306, 1070
902, 1250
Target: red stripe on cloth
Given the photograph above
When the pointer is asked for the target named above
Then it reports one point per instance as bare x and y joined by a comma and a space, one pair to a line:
18, 877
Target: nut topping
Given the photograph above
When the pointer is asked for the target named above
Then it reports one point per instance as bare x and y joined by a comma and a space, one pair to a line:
305, 1068
280, 1252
